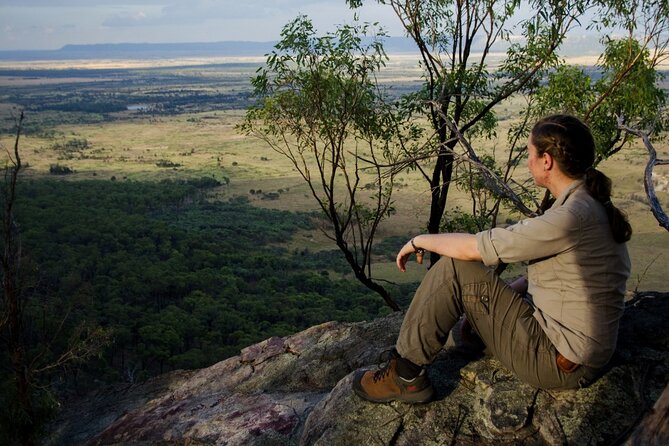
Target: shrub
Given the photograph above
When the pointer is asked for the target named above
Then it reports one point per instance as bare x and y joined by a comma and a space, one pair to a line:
167, 163
57, 169
204, 182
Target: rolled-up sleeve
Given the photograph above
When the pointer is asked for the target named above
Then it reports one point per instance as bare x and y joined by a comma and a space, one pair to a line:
533, 238
487, 249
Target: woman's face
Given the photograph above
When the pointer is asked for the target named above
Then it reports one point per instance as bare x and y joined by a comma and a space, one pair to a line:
535, 164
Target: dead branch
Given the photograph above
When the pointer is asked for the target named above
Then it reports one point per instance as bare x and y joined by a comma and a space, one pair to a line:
655, 206
494, 182
11, 255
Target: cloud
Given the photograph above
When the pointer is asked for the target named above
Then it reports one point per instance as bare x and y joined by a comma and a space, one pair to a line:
170, 12
129, 18
234, 8
180, 14
202, 10
79, 3
111, 21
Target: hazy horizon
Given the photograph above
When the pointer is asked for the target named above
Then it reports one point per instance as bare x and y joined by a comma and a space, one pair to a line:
38, 25
579, 51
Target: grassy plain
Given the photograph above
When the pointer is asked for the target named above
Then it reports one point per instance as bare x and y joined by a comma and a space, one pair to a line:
202, 140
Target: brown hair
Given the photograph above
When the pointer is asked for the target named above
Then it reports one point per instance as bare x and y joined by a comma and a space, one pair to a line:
569, 141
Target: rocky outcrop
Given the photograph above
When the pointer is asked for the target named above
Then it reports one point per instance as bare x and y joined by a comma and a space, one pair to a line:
297, 391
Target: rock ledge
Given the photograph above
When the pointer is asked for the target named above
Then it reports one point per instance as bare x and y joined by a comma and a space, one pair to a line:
297, 391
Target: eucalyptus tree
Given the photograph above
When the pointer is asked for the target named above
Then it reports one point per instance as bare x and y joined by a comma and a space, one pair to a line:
627, 84
319, 105
464, 87
638, 98
456, 40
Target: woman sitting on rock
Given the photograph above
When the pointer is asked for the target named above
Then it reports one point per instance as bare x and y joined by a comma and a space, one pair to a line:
556, 329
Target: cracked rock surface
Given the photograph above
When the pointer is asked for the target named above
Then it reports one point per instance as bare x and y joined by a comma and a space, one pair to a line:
297, 391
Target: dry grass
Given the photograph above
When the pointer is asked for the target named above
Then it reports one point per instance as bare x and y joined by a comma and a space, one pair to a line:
95, 64
208, 144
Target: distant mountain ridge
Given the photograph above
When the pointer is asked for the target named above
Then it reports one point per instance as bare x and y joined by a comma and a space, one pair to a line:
587, 45
171, 50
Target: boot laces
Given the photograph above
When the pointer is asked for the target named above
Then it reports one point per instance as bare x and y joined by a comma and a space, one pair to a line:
383, 371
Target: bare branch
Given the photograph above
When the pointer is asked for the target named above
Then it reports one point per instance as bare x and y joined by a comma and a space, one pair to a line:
492, 180
79, 349
655, 206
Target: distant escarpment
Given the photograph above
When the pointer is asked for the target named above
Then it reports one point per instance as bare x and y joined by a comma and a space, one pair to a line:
297, 391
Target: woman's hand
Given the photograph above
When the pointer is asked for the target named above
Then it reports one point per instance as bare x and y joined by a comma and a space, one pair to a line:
405, 253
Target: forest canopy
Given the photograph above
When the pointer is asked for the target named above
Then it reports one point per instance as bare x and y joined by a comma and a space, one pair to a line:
181, 281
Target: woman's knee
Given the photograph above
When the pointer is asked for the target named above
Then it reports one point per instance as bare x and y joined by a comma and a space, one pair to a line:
472, 268
450, 266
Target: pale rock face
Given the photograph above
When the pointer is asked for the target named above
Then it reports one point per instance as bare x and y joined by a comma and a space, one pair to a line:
297, 391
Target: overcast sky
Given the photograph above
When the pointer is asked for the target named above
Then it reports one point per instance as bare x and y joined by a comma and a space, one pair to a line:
50, 24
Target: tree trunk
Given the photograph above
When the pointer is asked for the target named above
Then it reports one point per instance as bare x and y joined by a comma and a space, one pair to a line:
439, 186
359, 272
380, 290
654, 428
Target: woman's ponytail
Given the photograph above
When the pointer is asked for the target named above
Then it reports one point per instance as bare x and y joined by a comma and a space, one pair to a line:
599, 187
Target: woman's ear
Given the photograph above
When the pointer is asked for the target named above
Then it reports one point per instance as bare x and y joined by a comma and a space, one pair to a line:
548, 161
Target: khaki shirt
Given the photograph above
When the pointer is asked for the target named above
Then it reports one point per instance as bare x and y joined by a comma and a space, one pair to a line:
576, 273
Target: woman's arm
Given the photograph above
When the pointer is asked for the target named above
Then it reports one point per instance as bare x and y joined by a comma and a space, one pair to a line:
458, 246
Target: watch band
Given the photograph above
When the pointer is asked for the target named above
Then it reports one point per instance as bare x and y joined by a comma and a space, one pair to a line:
417, 250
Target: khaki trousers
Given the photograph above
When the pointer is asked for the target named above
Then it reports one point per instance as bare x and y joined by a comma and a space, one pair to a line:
499, 315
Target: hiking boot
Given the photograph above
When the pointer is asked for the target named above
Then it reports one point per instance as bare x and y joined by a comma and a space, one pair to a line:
385, 384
